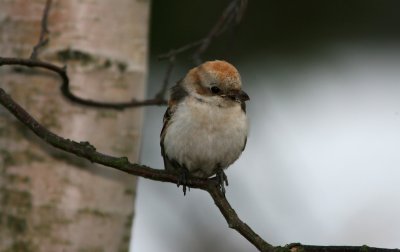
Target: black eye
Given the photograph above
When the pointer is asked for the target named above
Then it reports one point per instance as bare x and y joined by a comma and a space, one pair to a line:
215, 90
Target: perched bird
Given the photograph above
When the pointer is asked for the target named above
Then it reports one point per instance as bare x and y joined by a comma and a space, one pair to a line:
205, 125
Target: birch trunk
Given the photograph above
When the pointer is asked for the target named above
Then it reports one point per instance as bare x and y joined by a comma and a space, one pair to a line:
50, 200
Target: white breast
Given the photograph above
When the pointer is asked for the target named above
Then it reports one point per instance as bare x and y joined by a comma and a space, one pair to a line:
203, 138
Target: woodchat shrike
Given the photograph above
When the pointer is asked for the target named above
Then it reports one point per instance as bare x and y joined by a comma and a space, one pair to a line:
205, 126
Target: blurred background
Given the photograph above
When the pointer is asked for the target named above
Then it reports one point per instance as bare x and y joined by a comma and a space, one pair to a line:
322, 162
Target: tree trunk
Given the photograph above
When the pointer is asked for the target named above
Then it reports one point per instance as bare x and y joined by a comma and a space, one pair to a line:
50, 200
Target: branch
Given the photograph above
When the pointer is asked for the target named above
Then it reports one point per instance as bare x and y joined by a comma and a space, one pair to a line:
235, 222
84, 149
161, 94
65, 90
297, 247
44, 32
230, 17
62, 72
87, 151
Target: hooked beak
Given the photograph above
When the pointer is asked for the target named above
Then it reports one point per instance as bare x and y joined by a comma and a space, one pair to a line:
239, 96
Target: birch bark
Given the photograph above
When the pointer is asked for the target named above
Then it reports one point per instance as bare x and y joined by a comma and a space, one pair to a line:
50, 200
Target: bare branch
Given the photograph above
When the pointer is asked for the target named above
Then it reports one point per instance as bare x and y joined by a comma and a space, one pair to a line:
175, 52
61, 71
87, 151
231, 16
65, 90
297, 247
161, 94
235, 222
44, 32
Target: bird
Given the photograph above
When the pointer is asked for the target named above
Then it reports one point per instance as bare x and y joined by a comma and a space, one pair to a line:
205, 126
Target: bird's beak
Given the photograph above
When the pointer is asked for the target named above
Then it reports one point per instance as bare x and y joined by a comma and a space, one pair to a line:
243, 96
239, 96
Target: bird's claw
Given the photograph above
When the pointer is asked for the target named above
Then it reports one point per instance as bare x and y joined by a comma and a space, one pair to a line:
182, 180
222, 180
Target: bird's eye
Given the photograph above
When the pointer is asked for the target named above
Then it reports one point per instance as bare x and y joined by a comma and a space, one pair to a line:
215, 90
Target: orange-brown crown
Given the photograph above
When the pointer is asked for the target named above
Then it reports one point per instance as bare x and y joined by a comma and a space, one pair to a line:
216, 71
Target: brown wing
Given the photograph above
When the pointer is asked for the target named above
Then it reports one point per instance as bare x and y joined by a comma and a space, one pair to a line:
178, 93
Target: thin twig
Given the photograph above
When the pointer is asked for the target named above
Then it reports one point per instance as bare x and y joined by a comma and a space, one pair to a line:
175, 52
161, 94
220, 26
65, 90
231, 16
233, 12
44, 31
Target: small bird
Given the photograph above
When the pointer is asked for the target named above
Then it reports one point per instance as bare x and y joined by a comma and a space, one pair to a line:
205, 126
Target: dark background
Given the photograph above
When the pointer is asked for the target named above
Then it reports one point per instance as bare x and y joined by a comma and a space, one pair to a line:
282, 27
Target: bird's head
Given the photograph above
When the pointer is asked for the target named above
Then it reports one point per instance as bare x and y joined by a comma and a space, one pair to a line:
215, 82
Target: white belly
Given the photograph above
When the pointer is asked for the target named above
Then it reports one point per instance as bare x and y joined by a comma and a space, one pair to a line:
203, 138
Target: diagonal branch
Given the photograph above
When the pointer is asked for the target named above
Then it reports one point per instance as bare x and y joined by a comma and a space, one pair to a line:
171, 63
87, 151
235, 222
230, 17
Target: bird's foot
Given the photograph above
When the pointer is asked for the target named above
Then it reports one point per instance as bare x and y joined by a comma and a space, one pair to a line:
182, 180
222, 180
